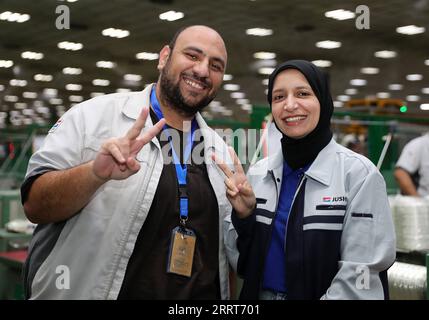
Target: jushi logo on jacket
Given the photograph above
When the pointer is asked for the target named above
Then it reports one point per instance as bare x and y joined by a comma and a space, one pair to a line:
334, 199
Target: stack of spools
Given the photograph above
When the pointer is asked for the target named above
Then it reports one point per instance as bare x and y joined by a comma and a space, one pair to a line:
407, 281
411, 219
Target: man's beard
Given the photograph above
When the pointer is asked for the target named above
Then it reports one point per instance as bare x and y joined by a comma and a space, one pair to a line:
170, 92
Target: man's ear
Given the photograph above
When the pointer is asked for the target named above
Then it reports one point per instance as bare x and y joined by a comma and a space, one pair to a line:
163, 57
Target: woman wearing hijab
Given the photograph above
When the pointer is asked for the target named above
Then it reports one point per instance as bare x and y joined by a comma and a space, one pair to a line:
313, 221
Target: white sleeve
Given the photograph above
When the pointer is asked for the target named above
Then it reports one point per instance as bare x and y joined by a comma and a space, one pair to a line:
368, 244
62, 148
410, 157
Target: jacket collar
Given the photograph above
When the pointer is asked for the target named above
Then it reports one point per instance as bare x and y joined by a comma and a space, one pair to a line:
320, 170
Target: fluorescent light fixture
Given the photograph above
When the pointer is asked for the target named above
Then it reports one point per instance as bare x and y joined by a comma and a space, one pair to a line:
121, 90
1, 87
259, 32
55, 101
73, 87
328, 44
265, 70
412, 98
49, 92
96, 94
246, 107
383, 95
18, 83
338, 104
425, 90
29, 95
242, 101
427, 62
395, 86
100, 82
414, 77
322, 63
10, 98
147, 56
72, 71
340, 14
350, 91
410, 30
424, 106
265, 82
20, 105
238, 95
14, 16
358, 82
67, 45
263, 55
105, 64
32, 55
76, 98
385, 54
343, 98
6, 63
115, 33
132, 77
227, 77
231, 87
171, 15
369, 70
43, 77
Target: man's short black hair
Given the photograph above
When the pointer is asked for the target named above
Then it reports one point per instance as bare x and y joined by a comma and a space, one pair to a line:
176, 35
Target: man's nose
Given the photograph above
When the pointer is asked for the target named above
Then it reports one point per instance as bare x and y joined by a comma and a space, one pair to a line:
201, 68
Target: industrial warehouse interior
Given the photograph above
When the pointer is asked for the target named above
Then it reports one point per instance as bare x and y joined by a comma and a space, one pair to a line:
56, 54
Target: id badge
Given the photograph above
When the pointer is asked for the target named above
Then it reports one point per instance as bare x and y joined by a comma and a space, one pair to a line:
182, 248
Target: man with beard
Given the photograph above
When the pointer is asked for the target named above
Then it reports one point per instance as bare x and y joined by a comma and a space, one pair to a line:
135, 216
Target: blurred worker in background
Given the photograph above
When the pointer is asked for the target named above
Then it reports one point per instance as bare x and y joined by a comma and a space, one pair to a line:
313, 221
116, 219
412, 168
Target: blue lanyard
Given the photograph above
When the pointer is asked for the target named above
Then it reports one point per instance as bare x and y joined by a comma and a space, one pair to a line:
181, 169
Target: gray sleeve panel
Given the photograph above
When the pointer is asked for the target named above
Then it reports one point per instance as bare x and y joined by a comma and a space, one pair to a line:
44, 239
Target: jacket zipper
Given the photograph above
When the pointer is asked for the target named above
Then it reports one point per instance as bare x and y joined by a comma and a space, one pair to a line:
271, 230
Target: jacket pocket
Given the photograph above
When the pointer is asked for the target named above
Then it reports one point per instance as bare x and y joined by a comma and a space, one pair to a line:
323, 222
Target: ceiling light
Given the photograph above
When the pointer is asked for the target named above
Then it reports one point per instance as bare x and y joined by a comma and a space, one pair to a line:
260, 32
115, 33
73, 87
10, 98
410, 30
67, 45
425, 90
427, 62
227, 77
132, 77
358, 82
338, 104
412, 98
147, 56
96, 94
264, 55
424, 106
76, 98
14, 17
340, 14
55, 101
238, 95
414, 77
231, 87
350, 91
43, 77
385, 54
265, 82
1, 87
395, 86
29, 95
6, 63
32, 55
328, 44
171, 15
343, 98
18, 83
322, 63
49, 92
73, 71
119, 90
383, 95
20, 105
100, 82
105, 64
369, 70
242, 101
265, 70
247, 107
